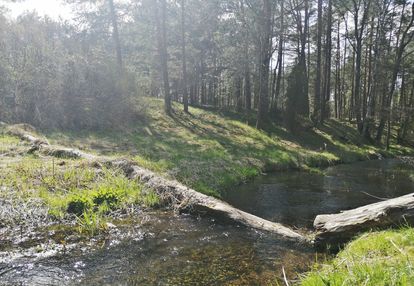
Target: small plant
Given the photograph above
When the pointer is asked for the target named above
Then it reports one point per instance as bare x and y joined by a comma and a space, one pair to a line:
151, 199
107, 196
91, 222
79, 204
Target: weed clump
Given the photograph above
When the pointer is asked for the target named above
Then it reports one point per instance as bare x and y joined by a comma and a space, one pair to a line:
78, 204
106, 196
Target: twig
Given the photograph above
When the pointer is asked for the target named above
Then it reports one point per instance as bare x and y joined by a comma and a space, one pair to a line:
378, 198
284, 276
393, 243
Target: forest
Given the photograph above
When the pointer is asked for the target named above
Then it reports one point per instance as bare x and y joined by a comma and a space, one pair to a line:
207, 142
288, 60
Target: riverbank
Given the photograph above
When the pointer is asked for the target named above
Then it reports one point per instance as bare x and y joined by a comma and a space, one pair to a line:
40, 190
375, 258
212, 151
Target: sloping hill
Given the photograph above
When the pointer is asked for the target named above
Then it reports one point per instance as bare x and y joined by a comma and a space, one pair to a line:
214, 150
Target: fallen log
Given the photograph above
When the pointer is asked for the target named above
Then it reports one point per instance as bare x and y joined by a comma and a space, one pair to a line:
42, 145
334, 229
25, 133
62, 152
190, 200
184, 198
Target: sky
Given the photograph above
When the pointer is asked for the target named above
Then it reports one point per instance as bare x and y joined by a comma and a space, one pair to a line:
51, 8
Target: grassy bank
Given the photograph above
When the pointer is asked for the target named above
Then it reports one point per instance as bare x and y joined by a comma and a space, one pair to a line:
378, 258
71, 190
212, 150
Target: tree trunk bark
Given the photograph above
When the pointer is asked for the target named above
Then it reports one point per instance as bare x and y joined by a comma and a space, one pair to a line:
265, 49
328, 55
184, 57
317, 96
162, 48
280, 52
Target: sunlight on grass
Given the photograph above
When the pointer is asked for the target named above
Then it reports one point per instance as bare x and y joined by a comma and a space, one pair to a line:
73, 187
374, 259
214, 150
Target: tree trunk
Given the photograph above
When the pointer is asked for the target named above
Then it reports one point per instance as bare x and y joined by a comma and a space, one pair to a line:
406, 117
372, 84
328, 54
238, 91
280, 52
317, 96
265, 49
162, 48
358, 34
247, 88
338, 72
184, 57
115, 34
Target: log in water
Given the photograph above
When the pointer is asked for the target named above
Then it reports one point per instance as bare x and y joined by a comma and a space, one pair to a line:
338, 228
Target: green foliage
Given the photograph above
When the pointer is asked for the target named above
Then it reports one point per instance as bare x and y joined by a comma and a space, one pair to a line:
378, 258
78, 204
106, 196
73, 187
150, 199
91, 222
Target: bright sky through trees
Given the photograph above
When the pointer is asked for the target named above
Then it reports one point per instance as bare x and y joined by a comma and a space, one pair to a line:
52, 8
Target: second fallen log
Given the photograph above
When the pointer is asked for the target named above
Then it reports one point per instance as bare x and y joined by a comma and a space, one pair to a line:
341, 227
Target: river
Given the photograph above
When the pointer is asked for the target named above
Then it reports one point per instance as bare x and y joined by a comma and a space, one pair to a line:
186, 250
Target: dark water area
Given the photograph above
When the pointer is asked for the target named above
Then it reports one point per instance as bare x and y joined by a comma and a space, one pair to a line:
184, 250
296, 198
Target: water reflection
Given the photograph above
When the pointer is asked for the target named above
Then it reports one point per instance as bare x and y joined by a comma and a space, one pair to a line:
295, 198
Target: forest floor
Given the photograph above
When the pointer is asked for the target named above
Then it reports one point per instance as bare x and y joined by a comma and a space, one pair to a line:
212, 151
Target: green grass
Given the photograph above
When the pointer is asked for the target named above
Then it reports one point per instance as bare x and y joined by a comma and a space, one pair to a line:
377, 258
74, 187
212, 151
8, 144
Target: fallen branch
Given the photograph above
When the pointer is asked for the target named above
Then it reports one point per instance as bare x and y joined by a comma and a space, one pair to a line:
43, 146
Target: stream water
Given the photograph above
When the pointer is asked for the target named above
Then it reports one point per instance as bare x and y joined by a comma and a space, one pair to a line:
183, 250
